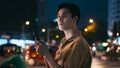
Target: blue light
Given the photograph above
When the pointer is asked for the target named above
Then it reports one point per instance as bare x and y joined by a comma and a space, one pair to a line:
36, 19
29, 41
18, 42
3, 41
21, 43
55, 20
118, 39
14, 41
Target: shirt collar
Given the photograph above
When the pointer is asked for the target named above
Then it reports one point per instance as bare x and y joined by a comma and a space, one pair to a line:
78, 33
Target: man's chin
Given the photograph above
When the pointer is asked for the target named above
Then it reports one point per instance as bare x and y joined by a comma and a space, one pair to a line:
61, 29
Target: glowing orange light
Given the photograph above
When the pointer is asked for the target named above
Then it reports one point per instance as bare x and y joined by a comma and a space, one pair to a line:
8, 50
117, 34
34, 55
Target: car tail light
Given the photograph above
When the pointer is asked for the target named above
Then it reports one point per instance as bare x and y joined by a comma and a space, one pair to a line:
8, 50
37, 53
27, 52
34, 55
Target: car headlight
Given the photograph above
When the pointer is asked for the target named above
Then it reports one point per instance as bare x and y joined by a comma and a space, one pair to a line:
26, 57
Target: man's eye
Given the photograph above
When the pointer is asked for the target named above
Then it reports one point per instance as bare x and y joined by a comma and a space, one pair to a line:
58, 16
64, 15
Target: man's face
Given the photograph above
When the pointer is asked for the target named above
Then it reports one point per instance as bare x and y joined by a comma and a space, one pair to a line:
65, 20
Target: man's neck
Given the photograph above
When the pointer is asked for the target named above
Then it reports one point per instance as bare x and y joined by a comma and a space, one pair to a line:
70, 33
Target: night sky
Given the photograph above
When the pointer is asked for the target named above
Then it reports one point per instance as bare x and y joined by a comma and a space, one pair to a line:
96, 9
13, 13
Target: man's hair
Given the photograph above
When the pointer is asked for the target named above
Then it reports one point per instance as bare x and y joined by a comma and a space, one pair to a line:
73, 9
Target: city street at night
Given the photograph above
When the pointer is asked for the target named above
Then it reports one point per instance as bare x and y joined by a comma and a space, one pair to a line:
72, 33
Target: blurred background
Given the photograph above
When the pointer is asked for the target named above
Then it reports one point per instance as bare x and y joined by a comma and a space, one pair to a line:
99, 24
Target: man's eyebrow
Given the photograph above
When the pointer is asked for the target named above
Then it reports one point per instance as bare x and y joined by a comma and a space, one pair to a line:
63, 13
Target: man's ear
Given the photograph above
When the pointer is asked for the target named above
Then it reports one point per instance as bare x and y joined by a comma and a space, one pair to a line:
76, 18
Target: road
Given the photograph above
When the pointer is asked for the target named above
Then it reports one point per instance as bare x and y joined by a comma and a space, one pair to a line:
96, 63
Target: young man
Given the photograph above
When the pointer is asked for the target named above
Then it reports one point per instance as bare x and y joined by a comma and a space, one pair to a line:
74, 51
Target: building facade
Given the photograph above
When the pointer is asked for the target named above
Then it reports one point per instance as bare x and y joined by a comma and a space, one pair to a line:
114, 15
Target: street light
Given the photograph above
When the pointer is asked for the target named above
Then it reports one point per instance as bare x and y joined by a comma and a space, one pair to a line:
43, 30
23, 28
27, 22
85, 29
91, 20
117, 34
90, 27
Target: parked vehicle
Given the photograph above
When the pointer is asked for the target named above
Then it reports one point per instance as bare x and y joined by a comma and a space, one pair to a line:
32, 57
7, 50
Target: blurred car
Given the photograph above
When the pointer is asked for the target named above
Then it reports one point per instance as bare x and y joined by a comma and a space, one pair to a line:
112, 52
6, 50
32, 57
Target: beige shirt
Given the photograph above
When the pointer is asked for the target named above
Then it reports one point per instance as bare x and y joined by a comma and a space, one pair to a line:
74, 53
